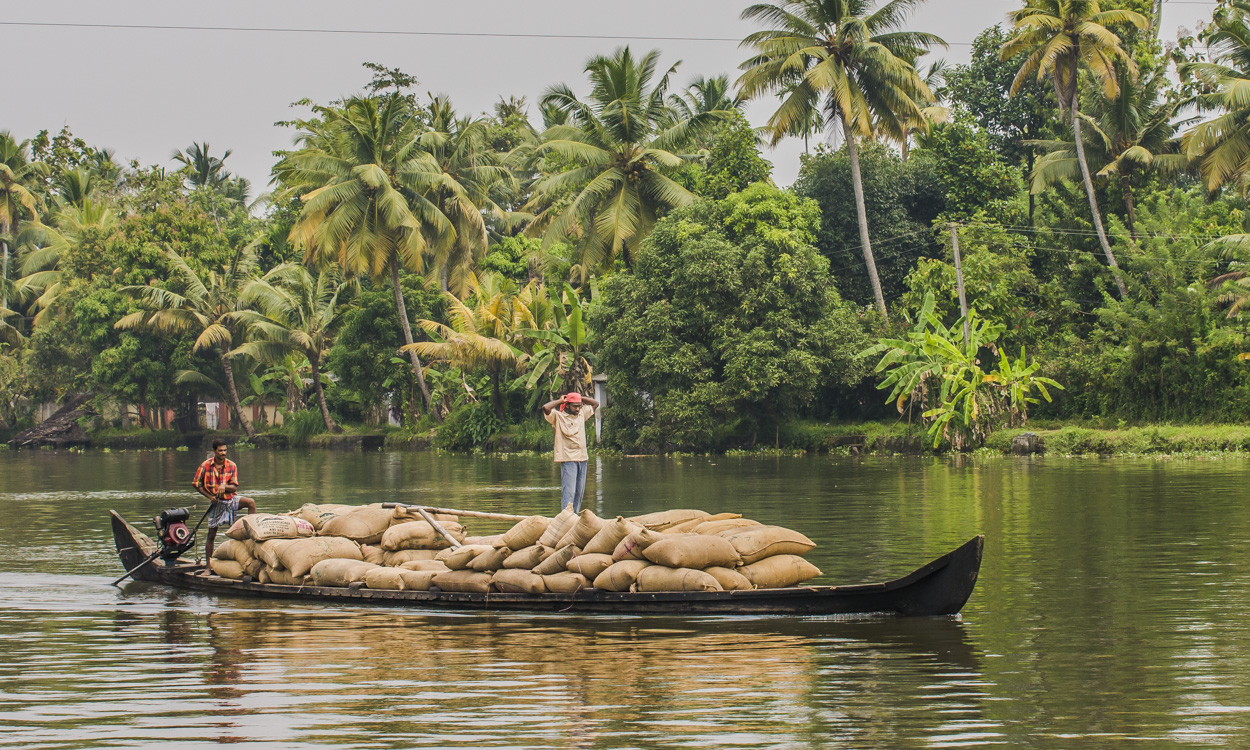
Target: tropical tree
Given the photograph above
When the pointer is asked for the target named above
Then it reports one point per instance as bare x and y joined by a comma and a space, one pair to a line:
202, 169
16, 201
1222, 144
210, 307
480, 330
931, 113
468, 170
561, 343
298, 312
704, 95
850, 61
363, 179
620, 146
1059, 37
1130, 133
42, 273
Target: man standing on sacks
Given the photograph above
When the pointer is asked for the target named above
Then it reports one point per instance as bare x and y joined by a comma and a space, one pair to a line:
569, 421
218, 479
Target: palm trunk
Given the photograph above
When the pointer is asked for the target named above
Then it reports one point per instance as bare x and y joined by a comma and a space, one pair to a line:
1129, 204
4, 275
1089, 192
233, 394
862, 213
315, 363
402, 309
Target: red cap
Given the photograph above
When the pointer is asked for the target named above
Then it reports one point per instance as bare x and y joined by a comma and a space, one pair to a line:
573, 398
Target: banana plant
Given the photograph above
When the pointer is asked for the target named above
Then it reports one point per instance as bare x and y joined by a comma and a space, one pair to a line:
562, 345
937, 369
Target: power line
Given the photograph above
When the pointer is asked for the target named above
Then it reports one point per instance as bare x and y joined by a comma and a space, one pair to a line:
381, 32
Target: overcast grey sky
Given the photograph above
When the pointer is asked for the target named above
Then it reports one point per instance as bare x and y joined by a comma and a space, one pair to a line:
147, 92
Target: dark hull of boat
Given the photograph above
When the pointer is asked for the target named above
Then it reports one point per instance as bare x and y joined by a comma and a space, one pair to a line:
941, 587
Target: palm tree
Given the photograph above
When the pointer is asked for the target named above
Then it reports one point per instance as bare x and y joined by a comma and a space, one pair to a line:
934, 78
468, 170
16, 201
619, 145
41, 267
847, 59
705, 95
210, 307
1059, 37
363, 179
1130, 133
1223, 144
298, 312
478, 335
203, 170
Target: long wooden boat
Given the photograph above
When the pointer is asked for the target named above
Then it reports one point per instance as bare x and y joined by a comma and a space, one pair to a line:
941, 587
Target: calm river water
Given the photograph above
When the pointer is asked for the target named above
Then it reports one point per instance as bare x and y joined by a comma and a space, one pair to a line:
1111, 609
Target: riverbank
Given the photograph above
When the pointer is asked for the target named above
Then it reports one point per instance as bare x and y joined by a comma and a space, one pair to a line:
861, 438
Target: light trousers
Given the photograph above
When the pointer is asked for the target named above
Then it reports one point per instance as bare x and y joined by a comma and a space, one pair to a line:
572, 484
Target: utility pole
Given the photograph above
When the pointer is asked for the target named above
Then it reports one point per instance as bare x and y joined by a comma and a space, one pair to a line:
959, 281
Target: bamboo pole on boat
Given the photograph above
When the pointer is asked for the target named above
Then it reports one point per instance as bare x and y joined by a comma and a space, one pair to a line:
439, 528
455, 512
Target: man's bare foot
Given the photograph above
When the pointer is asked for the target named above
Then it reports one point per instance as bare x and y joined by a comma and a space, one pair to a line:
206, 573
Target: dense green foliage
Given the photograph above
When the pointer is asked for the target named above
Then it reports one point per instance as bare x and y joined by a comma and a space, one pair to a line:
415, 265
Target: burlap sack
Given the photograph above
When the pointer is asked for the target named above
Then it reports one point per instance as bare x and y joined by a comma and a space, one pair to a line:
363, 525
558, 526
238, 531
489, 561
555, 563
386, 579
758, 542
690, 525
339, 573
226, 568
528, 558
495, 540
619, 576
302, 554
526, 532
373, 554
280, 576
460, 557
268, 551
729, 580
438, 566
632, 546
779, 572
609, 536
417, 580
403, 515
262, 527
254, 568
729, 524
318, 515
589, 565
395, 559
582, 530
693, 551
467, 581
512, 581
661, 520
565, 583
660, 578
231, 549
419, 535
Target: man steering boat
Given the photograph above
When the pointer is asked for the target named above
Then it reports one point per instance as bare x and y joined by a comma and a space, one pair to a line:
218, 480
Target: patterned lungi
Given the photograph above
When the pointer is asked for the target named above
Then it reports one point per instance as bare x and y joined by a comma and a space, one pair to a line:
223, 513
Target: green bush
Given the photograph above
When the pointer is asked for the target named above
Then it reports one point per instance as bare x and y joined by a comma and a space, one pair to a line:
467, 427
301, 426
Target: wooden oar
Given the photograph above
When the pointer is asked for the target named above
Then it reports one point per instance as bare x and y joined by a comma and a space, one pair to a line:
455, 512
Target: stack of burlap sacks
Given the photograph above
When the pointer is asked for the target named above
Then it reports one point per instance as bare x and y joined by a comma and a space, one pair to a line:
382, 548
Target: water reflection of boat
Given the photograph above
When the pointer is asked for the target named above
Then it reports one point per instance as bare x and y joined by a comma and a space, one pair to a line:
941, 587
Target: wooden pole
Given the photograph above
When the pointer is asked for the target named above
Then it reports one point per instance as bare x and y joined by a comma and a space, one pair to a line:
959, 281
439, 528
455, 512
